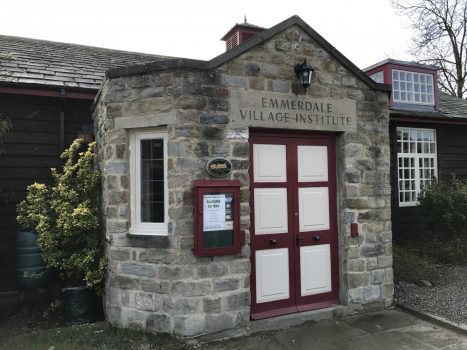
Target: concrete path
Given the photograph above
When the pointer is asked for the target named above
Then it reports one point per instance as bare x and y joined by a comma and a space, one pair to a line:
388, 330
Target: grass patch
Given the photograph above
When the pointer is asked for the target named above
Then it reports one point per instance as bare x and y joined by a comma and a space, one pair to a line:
417, 260
411, 266
19, 333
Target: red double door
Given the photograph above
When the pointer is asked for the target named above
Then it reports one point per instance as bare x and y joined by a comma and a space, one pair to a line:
294, 247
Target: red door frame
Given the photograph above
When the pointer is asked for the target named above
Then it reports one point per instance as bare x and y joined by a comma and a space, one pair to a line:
289, 240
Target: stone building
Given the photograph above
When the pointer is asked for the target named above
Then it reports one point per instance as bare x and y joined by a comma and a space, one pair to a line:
314, 195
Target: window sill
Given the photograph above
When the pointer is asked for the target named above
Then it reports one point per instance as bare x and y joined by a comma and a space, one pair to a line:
147, 241
148, 232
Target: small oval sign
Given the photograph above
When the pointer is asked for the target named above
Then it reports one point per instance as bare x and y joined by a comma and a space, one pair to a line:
219, 167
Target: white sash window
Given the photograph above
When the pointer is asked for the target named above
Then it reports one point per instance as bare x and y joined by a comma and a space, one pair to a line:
148, 185
416, 162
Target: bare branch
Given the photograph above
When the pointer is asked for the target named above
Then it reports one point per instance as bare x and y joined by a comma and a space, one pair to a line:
440, 36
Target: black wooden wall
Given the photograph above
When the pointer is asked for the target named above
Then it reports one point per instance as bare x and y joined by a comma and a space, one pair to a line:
452, 159
33, 147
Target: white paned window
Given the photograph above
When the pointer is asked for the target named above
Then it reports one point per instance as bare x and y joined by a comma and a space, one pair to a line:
416, 162
148, 183
411, 87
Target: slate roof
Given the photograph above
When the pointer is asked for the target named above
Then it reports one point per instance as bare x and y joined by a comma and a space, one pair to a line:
247, 45
450, 108
402, 63
47, 63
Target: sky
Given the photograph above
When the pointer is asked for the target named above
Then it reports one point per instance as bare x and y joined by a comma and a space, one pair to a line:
365, 31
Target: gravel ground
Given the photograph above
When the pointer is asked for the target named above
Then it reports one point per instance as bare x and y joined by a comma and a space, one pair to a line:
446, 298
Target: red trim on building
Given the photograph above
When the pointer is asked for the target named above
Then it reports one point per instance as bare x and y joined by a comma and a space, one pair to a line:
49, 93
427, 120
387, 71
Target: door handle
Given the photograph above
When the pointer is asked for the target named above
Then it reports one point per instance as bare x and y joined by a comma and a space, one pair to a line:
273, 241
317, 238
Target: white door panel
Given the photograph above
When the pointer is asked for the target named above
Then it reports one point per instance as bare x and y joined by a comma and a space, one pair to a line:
312, 163
313, 208
272, 275
315, 269
269, 163
270, 210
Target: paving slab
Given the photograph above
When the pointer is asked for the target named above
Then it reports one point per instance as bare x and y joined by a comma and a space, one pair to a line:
387, 330
324, 335
380, 321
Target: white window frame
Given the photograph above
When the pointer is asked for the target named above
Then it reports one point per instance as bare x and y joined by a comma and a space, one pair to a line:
410, 80
137, 227
416, 156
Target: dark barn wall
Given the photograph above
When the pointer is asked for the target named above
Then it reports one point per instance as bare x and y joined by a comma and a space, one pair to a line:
33, 147
452, 159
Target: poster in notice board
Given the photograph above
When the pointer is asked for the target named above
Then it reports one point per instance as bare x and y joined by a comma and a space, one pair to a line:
217, 220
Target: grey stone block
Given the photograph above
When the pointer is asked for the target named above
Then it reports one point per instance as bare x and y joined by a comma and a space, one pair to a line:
372, 250
238, 301
117, 167
114, 316
201, 149
120, 254
356, 295
112, 297
385, 261
211, 270
280, 85
181, 306
175, 272
189, 325
148, 302
218, 322
240, 164
252, 69
226, 284
133, 318
371, 293
240, 266
358, 279
213, 133
160, 287
212, 305
156, 256
190, 102
377, 276
219, 104
238, 134
234, 81
116, 226
356, 265
125, 282
158, 323
138, 270
240, 149
214, 119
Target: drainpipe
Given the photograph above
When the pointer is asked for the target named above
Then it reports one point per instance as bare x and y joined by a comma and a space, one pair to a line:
62, 121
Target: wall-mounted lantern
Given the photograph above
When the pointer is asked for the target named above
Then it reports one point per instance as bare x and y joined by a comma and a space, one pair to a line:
304, 74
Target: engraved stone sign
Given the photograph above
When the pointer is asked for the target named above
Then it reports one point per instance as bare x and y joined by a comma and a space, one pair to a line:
274, 110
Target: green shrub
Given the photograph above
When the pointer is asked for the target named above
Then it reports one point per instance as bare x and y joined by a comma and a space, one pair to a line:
67, 219
443, 210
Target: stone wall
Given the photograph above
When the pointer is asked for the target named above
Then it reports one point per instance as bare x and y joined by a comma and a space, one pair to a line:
156, 283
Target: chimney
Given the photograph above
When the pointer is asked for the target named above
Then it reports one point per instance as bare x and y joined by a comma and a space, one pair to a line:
240, 33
